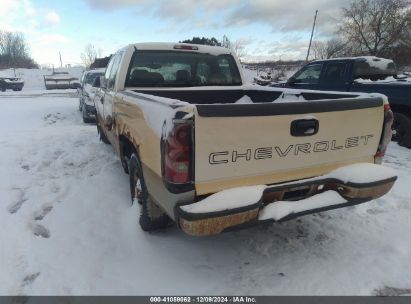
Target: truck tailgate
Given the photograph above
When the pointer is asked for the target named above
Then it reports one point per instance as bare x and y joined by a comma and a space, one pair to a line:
266, 143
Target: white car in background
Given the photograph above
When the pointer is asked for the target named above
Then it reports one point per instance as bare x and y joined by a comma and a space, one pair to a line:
86, 93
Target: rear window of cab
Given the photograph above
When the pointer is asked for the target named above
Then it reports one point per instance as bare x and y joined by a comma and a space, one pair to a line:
182, 69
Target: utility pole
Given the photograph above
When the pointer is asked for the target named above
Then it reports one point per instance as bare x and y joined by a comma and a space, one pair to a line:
61, 62
312, 33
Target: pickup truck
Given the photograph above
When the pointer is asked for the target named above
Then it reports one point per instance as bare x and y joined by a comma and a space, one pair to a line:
212, 154
361, 74
87, 91
12, 83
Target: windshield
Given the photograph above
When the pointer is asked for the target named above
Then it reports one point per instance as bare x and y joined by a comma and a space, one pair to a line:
181, 69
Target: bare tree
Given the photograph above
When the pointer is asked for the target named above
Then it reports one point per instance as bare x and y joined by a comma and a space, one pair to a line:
329, 49
372, 26
238, 48
89, 55
14, 51
13, 44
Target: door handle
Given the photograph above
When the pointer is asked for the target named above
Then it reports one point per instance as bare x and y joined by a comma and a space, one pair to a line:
304, 127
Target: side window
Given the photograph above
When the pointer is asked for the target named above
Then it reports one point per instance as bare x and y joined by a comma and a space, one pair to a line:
309, 74
108, 69
113, 72
334, 73
90, 78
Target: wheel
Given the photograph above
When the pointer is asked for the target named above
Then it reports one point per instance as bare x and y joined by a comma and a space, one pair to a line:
103, 137
86, 119
3, 89
151, 216
401, 130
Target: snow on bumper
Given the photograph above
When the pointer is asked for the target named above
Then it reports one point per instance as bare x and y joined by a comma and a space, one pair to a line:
238, 207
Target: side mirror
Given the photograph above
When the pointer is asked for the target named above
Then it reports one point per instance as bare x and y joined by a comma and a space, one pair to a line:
291, 81
103, 83
96, 82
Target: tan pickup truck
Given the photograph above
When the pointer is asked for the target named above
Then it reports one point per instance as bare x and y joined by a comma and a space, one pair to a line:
211, 153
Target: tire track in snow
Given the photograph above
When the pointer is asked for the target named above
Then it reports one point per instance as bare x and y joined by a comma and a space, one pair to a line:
15, 207
43, 212
40, 230
29, 279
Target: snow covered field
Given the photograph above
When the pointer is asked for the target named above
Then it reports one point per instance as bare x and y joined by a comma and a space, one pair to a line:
68, 227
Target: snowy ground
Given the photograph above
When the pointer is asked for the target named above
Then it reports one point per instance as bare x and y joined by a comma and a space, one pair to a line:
68, 227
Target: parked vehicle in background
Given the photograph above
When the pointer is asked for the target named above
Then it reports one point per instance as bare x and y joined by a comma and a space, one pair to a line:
263, 78
12, 83
212, 154
89, 83
60, 80
361, 74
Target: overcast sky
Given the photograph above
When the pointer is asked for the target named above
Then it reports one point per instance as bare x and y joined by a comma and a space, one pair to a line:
269, 28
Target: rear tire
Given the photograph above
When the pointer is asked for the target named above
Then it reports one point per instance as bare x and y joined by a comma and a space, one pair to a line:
151, 216
86, 118
401, 128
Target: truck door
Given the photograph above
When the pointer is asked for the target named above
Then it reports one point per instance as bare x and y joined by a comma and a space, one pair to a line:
333, 77
307, 78
110, 77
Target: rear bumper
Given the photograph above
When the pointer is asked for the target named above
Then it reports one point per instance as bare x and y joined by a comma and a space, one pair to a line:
284, 202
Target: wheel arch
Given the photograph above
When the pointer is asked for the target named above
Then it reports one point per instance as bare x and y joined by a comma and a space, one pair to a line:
127, 146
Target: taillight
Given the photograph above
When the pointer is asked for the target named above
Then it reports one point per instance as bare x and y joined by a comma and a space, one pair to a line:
386, 134
177, 154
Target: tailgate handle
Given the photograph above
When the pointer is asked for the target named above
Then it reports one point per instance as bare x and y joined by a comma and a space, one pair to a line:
304, 127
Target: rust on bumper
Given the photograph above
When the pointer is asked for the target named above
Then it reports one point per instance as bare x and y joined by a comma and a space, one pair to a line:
201, 224
216, 225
